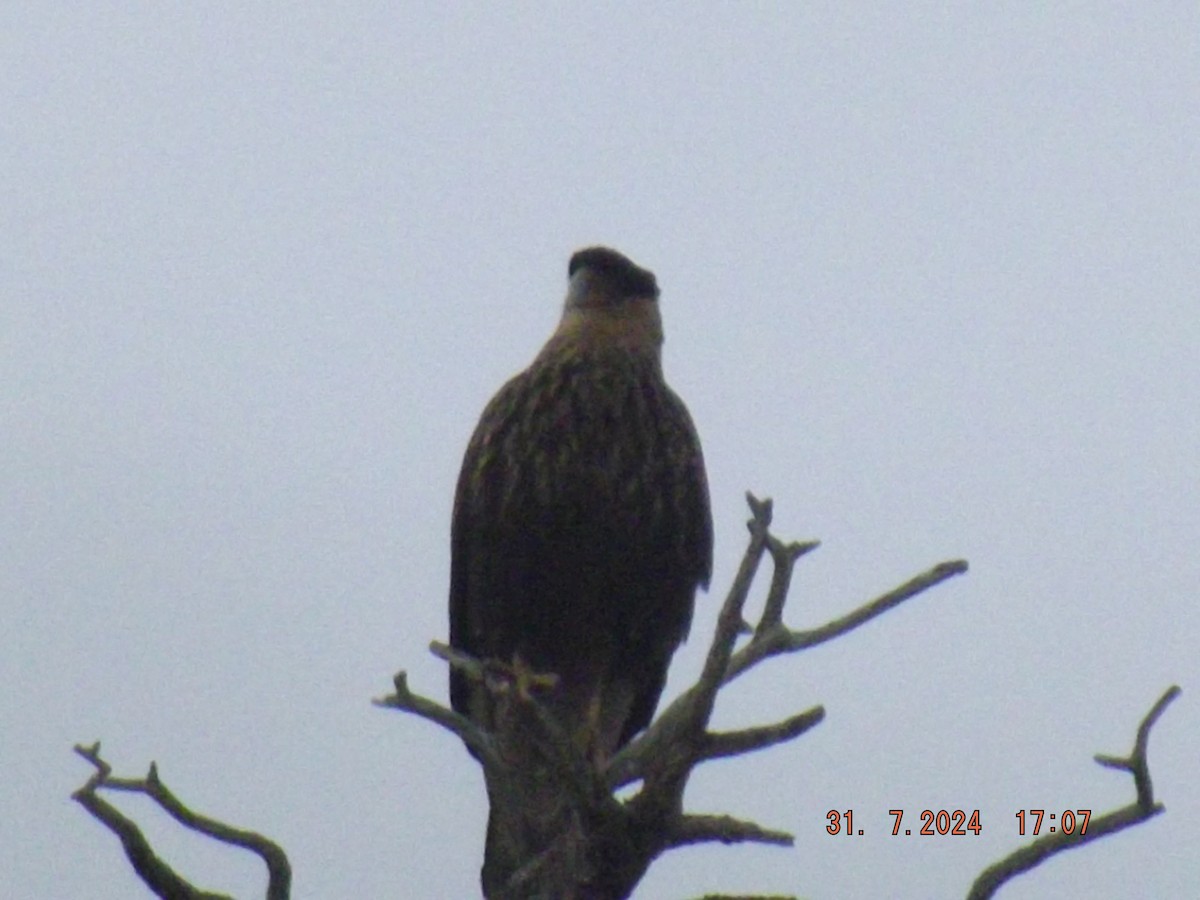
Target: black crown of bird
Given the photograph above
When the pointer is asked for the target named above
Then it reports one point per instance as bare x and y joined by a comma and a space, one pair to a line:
581, 526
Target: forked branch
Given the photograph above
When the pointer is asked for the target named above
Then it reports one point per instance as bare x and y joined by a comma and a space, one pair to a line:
609, 843
157, 875
624, 837
1142, 808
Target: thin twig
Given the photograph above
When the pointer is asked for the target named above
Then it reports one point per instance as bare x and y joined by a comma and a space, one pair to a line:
776, 639
695, 829
686, 718
1136, 763
157, 875
784, 556
730, 618
1141, 809
735, 743
475, 738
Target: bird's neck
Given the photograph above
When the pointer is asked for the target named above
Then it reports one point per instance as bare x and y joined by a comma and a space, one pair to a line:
632, 326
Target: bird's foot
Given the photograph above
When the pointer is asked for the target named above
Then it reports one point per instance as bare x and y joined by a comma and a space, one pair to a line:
518, 677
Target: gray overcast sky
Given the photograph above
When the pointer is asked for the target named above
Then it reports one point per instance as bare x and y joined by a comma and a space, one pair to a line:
929, 280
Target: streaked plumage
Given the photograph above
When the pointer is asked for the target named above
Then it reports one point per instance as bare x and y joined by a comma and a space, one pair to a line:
581, 524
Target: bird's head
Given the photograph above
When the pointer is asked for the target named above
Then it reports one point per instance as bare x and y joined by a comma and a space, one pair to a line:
599, 276
611, 299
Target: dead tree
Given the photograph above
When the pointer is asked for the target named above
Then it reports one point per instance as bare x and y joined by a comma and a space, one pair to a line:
564, 834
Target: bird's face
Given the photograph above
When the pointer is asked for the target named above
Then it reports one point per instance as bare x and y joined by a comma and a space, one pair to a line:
601, 277
611, 303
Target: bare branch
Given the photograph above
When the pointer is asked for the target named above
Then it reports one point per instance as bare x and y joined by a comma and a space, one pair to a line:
730, 619
696, 829
156, 874
475, 738
1141, 809
557, 819
1136, 763
769, 640
735, 743
686, 719
775, 639
784, 556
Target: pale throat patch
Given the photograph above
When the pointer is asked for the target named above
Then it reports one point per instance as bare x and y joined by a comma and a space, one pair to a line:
636, 324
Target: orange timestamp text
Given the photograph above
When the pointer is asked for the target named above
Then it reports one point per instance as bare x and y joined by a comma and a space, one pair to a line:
932, 822
1069, 821
961, 822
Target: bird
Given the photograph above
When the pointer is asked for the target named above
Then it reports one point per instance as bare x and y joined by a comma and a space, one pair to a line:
581, 527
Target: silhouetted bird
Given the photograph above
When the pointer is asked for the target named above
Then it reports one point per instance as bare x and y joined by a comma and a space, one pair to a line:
581, 524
